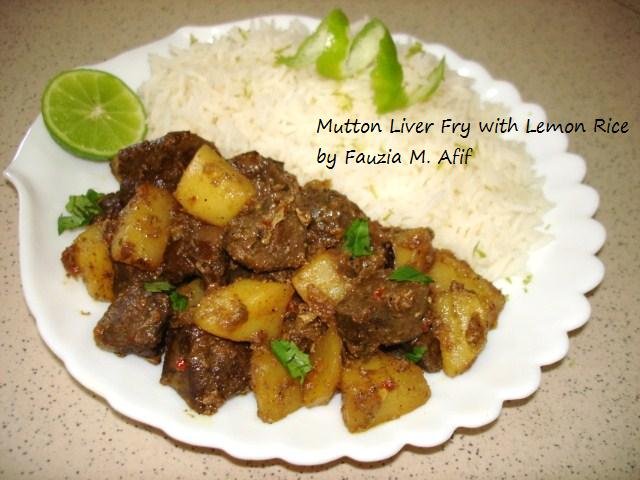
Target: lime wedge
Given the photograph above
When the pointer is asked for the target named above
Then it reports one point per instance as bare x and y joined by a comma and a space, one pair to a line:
92, 114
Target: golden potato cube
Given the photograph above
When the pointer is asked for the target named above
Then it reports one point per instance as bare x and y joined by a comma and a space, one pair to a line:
142, 233
380, 388
194, 291
461, 329
88, 257
277, 393
447, 269
326, 360
211, 189
412, 247
320, 280
246, 310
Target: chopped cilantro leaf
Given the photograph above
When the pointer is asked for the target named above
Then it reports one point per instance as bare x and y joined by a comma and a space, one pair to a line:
292, 358
356, 239
414, 49
179, 302
158, 286
82, 209
477, 252
409, 274
415, 354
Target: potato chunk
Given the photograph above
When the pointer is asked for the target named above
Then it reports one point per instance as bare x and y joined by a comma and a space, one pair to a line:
379, 389
462, 328
88, 257
412, 247
211, 189
326, 360
142, 234
447, 269
320, 280
246, 310
277, 393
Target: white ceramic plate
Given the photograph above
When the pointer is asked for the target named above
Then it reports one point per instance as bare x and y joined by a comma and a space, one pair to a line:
532, 329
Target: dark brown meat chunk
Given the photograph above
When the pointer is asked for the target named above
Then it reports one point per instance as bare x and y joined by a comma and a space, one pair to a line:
267, 239
160, 162
134, 323
269, 236
327, 215
382, 256
382, 312
112, 203
127, 275
273, 183
431, 360
302, 324
195, 249
204, 369
237, 271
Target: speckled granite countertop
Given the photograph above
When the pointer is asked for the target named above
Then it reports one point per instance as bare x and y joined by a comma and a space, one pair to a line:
577, 59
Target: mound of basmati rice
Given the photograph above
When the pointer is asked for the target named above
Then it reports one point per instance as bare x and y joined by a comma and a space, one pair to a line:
230, 91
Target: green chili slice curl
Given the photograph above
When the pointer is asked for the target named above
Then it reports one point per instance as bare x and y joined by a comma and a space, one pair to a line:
337, 57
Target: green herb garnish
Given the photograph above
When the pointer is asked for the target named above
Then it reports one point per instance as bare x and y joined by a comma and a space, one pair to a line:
356, 239
83, 209
292, 358
415, 354
178, 301
414, 49
477, 252
159, 286
433, 81
406, 273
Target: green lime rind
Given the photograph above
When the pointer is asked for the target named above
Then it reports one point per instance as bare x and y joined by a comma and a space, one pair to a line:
92, 114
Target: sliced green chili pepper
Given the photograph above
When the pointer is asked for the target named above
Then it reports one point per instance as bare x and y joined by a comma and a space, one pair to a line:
387, 77
434, 79
364, 47
330, 62
328, 46
336, 57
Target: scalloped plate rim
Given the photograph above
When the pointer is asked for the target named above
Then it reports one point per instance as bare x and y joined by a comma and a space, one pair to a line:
353, 446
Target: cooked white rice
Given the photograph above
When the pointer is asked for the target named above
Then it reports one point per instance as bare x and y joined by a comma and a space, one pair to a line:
230, 91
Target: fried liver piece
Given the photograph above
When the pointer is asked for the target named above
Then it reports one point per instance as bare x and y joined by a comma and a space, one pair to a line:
195, 250
128, 275
380, 312
273, 183
204, 369
267, 240
134, 323
327, 214
160, 162
269, 236
431, 360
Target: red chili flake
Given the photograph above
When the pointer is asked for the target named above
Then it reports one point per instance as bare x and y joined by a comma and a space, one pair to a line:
388, 384
377, 293
426, 326
181, 364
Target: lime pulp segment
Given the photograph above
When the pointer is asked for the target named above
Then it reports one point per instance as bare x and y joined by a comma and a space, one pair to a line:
92, 113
